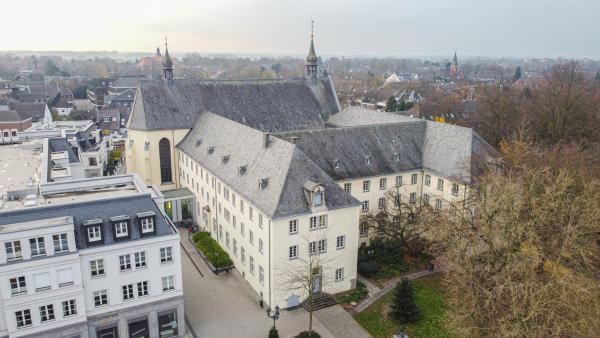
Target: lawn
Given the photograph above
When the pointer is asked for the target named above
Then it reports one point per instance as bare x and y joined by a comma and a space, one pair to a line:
430, 300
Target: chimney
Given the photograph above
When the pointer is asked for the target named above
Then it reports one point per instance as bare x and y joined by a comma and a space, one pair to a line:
266, 140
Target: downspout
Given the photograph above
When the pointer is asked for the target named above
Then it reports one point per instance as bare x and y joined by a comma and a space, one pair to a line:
270, 266
176, 159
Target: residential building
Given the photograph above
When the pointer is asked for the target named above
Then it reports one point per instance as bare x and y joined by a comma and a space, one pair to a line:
95, 258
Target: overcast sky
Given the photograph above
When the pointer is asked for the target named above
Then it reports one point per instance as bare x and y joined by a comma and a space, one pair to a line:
550, 28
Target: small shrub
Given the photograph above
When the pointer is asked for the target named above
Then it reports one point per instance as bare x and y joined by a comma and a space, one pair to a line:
354, 296
273, 333
304, 334
404, 307
211, 249
368, 269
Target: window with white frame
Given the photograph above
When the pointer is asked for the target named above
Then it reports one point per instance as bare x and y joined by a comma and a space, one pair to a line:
340, 242
426, 198
348, 188
363, 230
312, 248
128, 292
399, 180
100, 298
243, 255
168, 283
37, 246
23, 318
251, 237
121, 229
69, 308
125, 262
260, 246
293, 252
318, 198
227, 239
413, 179
13, 250
18, 285
293, 229
94, 233
242, 229
251, 213
454, 189
428, 180
364, 206
323, 221
234, 222
166, 254
440, 184
322, 245
438, 203
368, 160
61, 243
147, 225
382, 183
140, 259
234, 247
260, 221
142, 289
381, 203
366, 185
313, 223
261, 275
46, 313
397, 200
97, 267
339, 274
251, 260
413, 197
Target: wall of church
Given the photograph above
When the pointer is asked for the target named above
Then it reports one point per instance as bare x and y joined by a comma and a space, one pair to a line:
142, 155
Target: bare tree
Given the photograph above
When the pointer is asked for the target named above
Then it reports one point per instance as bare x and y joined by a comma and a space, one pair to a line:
308, 272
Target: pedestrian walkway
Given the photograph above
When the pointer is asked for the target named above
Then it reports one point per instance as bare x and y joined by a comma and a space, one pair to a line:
388, 287
370, 286
340, 323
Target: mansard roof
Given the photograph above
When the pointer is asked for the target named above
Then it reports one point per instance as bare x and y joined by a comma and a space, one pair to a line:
102, 210
282, 163
268, 105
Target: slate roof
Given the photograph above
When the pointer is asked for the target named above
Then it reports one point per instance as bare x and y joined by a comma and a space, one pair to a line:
357, 116
99, 209
445, 149
282, 163
10, 116
26, 110
128, 81
61, 144
266, 105
128, 95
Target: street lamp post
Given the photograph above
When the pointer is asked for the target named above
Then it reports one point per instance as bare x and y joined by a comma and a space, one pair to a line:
274, 316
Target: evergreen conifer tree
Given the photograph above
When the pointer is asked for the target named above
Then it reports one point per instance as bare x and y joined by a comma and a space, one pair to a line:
404, 308
391, 104
517, 74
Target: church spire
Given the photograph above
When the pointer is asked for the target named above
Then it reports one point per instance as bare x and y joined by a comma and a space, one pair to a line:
311, 58
167, 63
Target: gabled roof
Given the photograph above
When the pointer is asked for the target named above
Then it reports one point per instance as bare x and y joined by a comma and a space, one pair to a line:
130, 81
10, 116
100, 209
357, 116
282, 163
35, 111
384, 149
266, 105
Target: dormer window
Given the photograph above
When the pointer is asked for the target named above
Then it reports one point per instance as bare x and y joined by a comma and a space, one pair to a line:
368, 160
121, 229
146, 222
318, 199
211, 150
242, 170
94, 233
262, 183
337, 164
396, 157
198, 141
225, 159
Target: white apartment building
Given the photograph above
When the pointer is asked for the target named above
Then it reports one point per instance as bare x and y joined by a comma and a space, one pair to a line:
98, 258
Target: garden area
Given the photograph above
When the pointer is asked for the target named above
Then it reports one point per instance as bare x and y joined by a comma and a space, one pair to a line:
211, 250
350, 299
379, 321
383, 260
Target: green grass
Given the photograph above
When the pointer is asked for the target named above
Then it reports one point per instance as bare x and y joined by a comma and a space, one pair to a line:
211, 249
355, 295
430, 300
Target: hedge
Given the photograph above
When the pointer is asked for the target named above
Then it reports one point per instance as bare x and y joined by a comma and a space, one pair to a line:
211, 250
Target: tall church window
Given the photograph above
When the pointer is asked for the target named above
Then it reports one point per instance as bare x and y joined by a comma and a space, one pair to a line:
164, 150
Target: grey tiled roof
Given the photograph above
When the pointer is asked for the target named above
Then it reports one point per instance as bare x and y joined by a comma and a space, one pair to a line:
129, 81
357, 116
10, 116
266, 105
282, 163
445, 149
26, 110
99, 209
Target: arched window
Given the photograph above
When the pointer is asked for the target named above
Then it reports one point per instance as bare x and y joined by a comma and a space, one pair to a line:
164, 150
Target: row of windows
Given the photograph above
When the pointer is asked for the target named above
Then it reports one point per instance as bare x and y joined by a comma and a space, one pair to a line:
319, 246
261, 271
314, 222
382, 201
37, 246
128, 293
121, 229
139, 259
41, 282
23, 317
366, 184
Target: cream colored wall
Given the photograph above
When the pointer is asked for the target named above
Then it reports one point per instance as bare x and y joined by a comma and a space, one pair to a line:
274, 234
420, 188
147, 163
